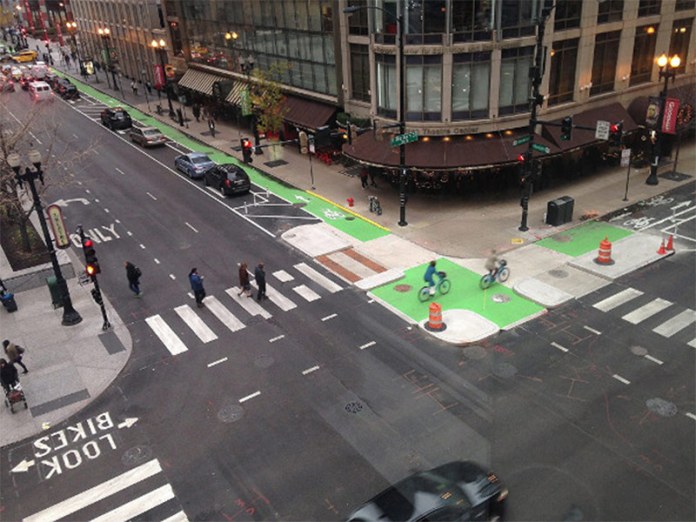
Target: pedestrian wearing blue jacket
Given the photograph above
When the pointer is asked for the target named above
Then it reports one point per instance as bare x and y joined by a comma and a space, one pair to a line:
197, 286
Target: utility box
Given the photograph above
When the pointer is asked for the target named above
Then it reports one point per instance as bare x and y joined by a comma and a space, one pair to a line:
560, 211
568, 206
55, 291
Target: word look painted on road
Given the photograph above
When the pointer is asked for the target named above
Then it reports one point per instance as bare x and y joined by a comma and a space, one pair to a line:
96, 235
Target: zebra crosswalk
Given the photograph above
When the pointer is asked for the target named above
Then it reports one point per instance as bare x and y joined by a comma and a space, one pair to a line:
231, 315
147, 497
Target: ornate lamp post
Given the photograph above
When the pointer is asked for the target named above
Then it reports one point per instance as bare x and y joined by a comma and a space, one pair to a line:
105, 34
70, 315
247, 66
160, 47
668, 69
71, 26
231, 40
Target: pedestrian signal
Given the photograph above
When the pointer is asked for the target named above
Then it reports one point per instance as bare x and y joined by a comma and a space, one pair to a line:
616, 134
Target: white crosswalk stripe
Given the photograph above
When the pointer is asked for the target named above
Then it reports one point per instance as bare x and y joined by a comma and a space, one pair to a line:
277, 298
162, 330
196, 324
618, 299
139, 505
226, 317
306, 292
648, 310
676, 323
282, 276
318, 278
248, 303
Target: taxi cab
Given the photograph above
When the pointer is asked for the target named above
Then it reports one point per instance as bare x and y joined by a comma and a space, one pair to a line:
24, 56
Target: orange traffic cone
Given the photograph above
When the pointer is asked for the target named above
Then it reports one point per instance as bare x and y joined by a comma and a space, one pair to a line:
435, 323
604, 254
661, 251
670, 243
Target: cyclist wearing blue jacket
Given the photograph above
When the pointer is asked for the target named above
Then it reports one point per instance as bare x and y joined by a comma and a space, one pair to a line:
428, 277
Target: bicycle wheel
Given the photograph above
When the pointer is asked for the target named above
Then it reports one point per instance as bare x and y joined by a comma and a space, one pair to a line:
444, 286
486, 281
379, 211
424, 294
504, 274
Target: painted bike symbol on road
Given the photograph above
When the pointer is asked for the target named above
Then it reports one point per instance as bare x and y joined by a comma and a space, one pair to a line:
333, 214
638, 223
657, 201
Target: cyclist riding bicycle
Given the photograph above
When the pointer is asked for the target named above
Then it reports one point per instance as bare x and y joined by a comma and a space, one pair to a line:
428, 277
492, 263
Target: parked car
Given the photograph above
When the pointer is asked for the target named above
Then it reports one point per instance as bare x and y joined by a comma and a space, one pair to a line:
147, 136
456, 491
27, 55
194, 164
228, 179
116, 118
67, 90
7, 84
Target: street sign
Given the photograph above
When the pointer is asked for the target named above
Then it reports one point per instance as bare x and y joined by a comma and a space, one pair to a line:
403, 139
521, 141
602, 131
55, 219
541, 148
625, 157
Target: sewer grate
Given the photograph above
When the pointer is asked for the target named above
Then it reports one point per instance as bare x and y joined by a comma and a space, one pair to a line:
275, 163
639, 351
403, 288
230, 413
558, 273
662, 407
354, 407
135, 455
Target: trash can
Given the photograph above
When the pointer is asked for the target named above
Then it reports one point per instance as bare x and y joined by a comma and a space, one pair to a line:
554, 213
52, 283
8, 301
568, 205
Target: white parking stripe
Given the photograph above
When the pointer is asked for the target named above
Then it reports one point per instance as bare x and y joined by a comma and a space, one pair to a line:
648, 310
618, 299
177, 517
196, 324
621, 379
676, 323
283, 276
306, 292
318, 278
653, 359
167, 336
92, 495
139, 505
255, 394
556, 345
226, 317
248, 303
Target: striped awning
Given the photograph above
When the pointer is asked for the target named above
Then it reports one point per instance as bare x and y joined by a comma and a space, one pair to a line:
199, 81
235, 95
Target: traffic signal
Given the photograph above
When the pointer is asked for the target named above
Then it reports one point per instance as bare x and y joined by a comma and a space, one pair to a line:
304, 142
247, 150
91, 261
566, 128
616, 134
522, 160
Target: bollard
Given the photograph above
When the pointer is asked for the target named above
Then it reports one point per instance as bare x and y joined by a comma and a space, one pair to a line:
435, 323
604, 255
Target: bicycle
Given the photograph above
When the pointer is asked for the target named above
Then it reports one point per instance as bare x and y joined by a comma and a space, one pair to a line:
502, 273
375, 205
443, 286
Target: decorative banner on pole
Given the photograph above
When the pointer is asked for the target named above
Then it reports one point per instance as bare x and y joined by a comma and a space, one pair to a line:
55, 218
669, 119
159, 77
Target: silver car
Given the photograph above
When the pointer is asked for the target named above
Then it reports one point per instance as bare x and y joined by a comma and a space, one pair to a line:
147, 136
194, 164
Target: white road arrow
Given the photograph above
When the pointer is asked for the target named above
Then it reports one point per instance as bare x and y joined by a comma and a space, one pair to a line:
680, 205
23, 466
66, 202
128, 422
302, 198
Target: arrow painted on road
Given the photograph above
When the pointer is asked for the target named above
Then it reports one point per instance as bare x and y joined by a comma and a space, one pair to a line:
680, 205
66, 202
23, 466
302, 198
128, 422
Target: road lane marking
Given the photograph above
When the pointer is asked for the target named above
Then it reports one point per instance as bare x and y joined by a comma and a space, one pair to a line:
562, 348
367, 345
139, 505
107, 210
196, 324
219, 361
621, 379
282, 276
617, 299
692, 343
142, 246
162, 330
255, 394
173, 277
153, 197
248, 303
648, 310
277, 298
690, 415
191, 227
306, 292
226, 317
653, 359
276, 339
157, 261
328, 317
310, 370
676, 323
318, 278
177, 517
92, 495
596, 332
129, 232
119, 171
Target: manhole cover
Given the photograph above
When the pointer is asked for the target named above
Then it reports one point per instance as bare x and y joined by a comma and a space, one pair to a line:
639, 351
500, 298
563, 238
662, 407
136, 455
403, 288
350, 218
354, 407
474, 352
560, 274
264, 361
230, 413
504, 370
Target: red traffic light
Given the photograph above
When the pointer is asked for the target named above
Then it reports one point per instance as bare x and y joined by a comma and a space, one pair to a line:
613, 128
88, 243
521, 158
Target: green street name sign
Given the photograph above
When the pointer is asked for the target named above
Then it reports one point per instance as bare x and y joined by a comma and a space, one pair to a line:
521, 141
541, 148
403, 139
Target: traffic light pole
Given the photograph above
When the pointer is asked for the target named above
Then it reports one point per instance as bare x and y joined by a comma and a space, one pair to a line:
96, 291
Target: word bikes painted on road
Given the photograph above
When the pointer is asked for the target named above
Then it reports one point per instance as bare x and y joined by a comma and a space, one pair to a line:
67, 449
98, 235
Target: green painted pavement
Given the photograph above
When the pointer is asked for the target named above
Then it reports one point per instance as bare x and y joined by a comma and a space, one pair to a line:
583, 239
331, 214
464, 294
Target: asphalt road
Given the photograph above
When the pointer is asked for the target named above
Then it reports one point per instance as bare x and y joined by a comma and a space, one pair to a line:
305, 414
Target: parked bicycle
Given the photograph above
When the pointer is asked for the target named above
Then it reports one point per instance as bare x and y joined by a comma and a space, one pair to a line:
443, 286
375, 206
501, 273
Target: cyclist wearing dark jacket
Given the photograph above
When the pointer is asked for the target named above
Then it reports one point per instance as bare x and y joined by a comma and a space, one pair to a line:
429, 276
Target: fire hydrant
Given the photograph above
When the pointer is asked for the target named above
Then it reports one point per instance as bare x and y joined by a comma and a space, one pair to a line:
350, 201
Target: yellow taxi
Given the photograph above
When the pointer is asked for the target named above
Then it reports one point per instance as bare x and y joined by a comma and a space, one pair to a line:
25, 56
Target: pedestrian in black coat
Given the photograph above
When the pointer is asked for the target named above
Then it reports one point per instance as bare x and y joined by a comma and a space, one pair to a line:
8, 375
133, 274
260, 276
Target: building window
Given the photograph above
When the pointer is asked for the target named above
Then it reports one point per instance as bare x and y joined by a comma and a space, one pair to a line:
426, 22
610, 11
515, 84
679, 43
606, 53
424, 88
682, 5
471, 20
564, 57
357, 21
471, 78
516, 17
360, 72
386, 85
649, 7
643, 54
567, 14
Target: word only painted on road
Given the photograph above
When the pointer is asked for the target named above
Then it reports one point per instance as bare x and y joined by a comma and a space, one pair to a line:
70, 447
97, 235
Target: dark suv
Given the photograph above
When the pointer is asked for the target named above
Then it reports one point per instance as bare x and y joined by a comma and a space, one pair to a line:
67, 90
228, 179
116, 118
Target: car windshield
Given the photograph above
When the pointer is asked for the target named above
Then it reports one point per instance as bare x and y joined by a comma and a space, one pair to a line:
120, 115
151, 132
200, 159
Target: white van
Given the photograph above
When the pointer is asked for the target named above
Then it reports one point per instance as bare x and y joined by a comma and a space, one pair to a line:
39, 70
40, 91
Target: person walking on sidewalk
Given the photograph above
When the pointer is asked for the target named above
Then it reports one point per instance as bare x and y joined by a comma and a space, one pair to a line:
363, 177
148, 86
133, 274
197, 286
8, 375
211, 126
260, 276
134, 86
14, 353
196, 111
244, 284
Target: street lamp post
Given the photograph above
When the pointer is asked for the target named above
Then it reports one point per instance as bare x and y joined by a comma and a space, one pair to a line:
72, 28
668, 69
104, 33
403, 175
70, 315
160, 47
247, 66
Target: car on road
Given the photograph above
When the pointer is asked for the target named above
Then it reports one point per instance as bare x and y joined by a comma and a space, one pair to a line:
147, 136
458, 490
193, 164
25, 81
16, 73
7, 84
25, 56
116, 118
228, 179
67, 90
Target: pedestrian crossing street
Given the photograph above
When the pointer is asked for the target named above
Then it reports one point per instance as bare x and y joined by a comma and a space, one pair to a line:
229, 314
660, 315
138, 492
